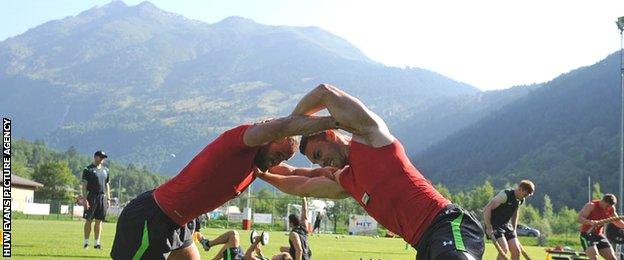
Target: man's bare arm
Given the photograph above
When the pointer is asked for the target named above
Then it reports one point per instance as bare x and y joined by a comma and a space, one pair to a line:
319, 187
514, 219
286, 169
249, 254
271, 130
351, 114
499, 199
584, 214
294, 238
304, 211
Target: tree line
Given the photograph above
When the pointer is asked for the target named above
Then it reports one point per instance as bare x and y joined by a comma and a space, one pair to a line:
60, 173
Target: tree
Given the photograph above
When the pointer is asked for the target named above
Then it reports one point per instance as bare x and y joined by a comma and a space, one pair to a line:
548, 215
596, 193
57, 180
548, 208
529, 215
444, 191
264, 201
339, 212
565, 222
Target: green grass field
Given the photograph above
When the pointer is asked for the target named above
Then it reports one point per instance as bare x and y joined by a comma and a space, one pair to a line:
51, 239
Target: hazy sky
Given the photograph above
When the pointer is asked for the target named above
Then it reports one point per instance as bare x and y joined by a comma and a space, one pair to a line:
489, 44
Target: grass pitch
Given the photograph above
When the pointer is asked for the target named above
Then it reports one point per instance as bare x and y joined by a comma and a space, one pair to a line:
50, 239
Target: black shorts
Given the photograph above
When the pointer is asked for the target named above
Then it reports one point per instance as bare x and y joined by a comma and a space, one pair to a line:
591, 239
453, 234
97, 207
504, 230
145, 232
233, 253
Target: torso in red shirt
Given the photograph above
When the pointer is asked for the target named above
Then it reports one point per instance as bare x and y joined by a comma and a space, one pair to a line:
221, 171
597, 213
391, 189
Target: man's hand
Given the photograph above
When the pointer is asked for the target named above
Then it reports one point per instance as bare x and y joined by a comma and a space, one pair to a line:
83, 202
327, 172
258, 173
490, 232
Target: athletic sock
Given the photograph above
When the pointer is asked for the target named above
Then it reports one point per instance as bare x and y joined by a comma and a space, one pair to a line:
97, 242
86, 241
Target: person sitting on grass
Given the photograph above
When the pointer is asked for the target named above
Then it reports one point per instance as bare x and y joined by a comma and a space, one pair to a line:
231, 248
298, 237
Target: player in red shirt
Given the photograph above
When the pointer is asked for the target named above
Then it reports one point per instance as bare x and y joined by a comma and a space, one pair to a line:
153, 225
377, 173
595, 243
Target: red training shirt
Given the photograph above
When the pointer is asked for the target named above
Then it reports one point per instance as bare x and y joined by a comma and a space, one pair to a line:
598, 213
386, 184
221, 171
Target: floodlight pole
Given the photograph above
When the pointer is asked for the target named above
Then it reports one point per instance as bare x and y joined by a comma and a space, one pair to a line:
620, 24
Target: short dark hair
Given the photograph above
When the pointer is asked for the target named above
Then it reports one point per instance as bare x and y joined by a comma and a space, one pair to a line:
527, 185
303, 143
609, 199
293, 219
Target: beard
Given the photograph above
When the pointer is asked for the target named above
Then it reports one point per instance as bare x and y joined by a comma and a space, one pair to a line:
261, 162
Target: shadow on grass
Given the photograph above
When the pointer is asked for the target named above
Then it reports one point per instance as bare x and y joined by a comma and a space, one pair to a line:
62, 256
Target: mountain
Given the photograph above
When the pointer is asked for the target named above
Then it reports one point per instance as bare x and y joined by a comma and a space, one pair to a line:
422, 128
557, 135
152, 87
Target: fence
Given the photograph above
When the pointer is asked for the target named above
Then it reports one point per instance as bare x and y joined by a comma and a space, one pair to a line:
269, 212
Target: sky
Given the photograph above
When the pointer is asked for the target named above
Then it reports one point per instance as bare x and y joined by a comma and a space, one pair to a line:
488, 44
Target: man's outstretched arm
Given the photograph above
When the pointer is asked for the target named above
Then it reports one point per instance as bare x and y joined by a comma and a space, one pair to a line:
319, 187
274, 129
285, 169
304, 211
350, 112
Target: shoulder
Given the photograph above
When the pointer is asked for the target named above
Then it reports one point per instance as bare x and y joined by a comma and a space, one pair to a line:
89, 169
234, 136
238, 130
589, 205
376, 137
501, 197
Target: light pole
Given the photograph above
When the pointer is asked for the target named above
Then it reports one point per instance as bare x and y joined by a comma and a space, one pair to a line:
620, 25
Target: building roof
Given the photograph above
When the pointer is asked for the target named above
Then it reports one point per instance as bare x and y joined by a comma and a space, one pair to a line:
24, 182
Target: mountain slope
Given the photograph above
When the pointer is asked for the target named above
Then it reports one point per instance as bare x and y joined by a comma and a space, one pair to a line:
557, 135
145, 84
